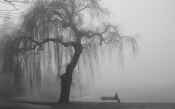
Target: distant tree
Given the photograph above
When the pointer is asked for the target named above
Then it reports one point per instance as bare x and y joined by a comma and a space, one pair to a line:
7, 26
62, 34
6, 29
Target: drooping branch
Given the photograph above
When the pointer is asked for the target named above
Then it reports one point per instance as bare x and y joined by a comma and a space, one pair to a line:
39, 44
85, 7
10, 2
91, 34
66, 44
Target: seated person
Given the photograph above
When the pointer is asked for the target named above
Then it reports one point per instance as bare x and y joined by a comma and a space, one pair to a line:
117, 98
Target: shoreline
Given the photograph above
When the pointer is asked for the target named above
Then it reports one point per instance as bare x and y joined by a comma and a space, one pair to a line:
108, 101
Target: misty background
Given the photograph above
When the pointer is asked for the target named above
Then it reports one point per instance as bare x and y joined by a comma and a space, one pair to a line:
149, 76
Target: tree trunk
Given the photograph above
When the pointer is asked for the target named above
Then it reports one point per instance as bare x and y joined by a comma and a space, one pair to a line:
66, 78
65, 88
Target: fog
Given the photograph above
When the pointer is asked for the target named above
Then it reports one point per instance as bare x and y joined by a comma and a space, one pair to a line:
149, 76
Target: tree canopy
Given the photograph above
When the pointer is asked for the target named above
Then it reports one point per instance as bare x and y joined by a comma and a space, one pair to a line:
50, 33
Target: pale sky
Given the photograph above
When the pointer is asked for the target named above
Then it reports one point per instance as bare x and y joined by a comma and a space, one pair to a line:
154, 67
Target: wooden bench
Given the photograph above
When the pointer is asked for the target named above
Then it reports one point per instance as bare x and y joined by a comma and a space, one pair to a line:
110, 98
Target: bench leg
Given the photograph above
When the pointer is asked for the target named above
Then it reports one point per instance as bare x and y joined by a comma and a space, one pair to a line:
118, 101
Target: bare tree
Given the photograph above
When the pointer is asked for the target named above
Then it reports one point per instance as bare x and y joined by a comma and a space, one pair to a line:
58, 34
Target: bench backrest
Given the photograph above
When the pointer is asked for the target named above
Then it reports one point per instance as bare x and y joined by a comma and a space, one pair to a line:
108, 98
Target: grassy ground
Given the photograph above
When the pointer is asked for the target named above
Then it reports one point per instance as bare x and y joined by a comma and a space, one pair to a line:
128, 105
83, 105
91, 105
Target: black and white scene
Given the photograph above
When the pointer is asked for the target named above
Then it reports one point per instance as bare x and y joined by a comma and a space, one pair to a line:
87, 54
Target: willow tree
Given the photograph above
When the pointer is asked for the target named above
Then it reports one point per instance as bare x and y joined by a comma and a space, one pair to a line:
62, 34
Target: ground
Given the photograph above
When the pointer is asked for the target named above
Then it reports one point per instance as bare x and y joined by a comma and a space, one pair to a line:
43, 104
